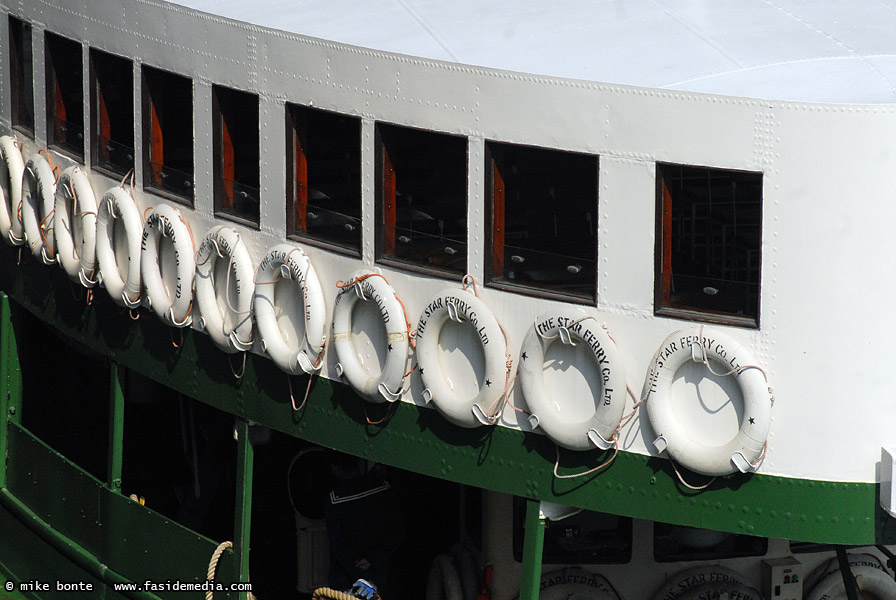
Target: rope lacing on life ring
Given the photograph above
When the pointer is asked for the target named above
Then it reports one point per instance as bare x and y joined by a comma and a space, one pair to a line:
497, 407
234, 338
412, 334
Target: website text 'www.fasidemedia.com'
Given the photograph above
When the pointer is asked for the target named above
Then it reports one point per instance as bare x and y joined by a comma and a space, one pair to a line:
182, 586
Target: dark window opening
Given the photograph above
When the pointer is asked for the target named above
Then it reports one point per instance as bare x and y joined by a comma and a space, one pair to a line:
179, 454
585, 538
65, 95
708, 243
168, 133
65, 390
22, 72
673, 543
422, 196
112, 107
544, 219
324, 186
236, 154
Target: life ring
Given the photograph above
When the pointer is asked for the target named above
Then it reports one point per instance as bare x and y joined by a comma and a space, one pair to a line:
38, 200
577, 583
289, 263
75, 217
388, 385
461, 306
443, 582
223, 259
720, 591
116, 210
831, 568
12, 169
172, 301
746, 449
874, 583
587, 429
686, 580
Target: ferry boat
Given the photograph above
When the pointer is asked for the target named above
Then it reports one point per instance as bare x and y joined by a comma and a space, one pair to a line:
479, 300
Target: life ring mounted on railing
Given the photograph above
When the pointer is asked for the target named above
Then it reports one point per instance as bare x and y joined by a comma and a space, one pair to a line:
391, 382
465, 307
117, 209
12, 169
295, 356
745, 451
228, 323
595, 427
173, 303
75, 217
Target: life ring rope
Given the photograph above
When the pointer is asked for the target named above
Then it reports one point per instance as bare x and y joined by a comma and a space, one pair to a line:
234, 310
497, 407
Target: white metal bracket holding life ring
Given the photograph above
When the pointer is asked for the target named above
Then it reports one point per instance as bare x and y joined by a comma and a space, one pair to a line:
745, 450
228, 321
172, 303
289, 263
463, 307
12, 169
38, 202
389, 385
593, 428
75, 218
118, 210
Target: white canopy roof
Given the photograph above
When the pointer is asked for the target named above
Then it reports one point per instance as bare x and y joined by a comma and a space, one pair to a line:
801, 50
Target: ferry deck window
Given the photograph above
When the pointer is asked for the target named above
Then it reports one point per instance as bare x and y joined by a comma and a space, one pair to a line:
672, 543
324, 186
21, 75
168, 134
112, 110
422, 198
544, 219
65, 98
708, 244
235, 119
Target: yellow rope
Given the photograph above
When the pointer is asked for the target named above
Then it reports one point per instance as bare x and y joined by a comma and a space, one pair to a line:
213, 566
324, 592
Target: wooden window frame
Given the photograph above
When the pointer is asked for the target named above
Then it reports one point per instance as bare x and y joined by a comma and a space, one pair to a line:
101, 121
297, 182
386, 208
154, 137
495, 210
54, 100
225, 157
663, 263
21, 75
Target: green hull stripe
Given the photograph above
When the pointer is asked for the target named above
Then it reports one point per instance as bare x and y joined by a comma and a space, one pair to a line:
418, 439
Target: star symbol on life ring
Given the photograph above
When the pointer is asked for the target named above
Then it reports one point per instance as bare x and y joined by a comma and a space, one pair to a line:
524, 356
421, 370
390, 347
488, 383
752, 421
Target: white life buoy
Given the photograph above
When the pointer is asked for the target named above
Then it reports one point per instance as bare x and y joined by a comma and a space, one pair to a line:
874, 584
463, 307
686, 580
169, 294
120, 275
226, 310
12, 169
38, 200
75, 217
721, 591
583, 429
575, 583
443, 582
388, 384
300, 351
746, 449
